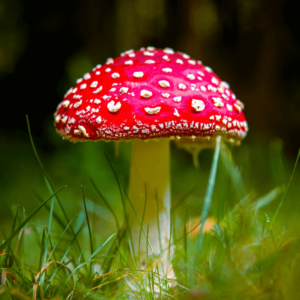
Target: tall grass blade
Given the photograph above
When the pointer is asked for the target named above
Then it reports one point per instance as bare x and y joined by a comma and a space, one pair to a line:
88, 222
285, 192
4, 245
47, 239
208, 194
107, 204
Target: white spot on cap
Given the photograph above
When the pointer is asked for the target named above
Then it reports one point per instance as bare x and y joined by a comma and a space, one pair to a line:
105, 97
191, 61
211, 88
123, 90
177, 99
150, 48
131, 55
65, 103
229, 107
113, 107
77, 132
126, 128
217, 102
215, 80
240, 103
147, 53
146, 94
99, 120
165, 95
107, 70
98, 90
138, 74
77, 96
83, 86
233, 96
166, 57
128, 62
57, 118
186, 56
191, 76
94, 84
149, 61
167, 70
83, 130
109, 61
237, 108
199, 78
169, 50
182, 86
97, 101
87, 76
201, 73
217, 127
224, 121
164, 83
74, 90
203, 88
212, 117
115, 75
79, 80
129, 51
98, 66
152, 111
208, 69
77, 104
225, 84
176, 114
64, 119
98, 73
112, 90
198, 105
179, 61
218, 117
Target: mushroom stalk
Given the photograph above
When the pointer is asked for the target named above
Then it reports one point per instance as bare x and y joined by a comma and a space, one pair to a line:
150, 166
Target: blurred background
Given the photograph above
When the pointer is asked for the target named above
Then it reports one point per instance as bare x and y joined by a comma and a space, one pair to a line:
46, 45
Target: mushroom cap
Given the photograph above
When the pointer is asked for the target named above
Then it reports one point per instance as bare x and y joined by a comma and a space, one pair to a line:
150, 94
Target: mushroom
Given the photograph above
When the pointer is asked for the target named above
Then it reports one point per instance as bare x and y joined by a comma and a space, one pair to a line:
134, 98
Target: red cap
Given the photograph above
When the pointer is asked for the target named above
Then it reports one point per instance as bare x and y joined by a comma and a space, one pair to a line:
146, 94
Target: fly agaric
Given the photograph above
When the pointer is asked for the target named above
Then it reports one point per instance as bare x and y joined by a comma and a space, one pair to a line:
151, 94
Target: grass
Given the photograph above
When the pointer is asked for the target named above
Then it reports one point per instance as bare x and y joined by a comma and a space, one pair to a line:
247, 247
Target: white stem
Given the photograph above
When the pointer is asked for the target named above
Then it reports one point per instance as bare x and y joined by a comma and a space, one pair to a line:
150, 165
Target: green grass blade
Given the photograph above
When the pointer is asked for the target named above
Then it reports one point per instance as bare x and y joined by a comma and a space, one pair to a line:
47, 239
4, 245
107, 204
76, 277
88, 222
42, 250
208, 194
178, 203
91, 257
285, 192
53, 248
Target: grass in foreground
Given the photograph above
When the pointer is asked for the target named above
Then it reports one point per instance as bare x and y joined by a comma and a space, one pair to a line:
241, 251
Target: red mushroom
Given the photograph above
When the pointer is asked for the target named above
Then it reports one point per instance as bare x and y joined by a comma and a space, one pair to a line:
146, 95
